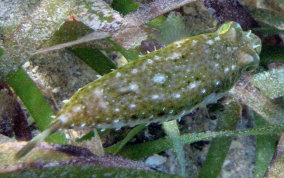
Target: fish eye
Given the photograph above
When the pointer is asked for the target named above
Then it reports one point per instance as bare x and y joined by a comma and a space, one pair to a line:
224, 28
250, 69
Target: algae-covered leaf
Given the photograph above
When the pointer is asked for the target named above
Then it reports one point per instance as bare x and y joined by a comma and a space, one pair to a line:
258, 92
98, 15
268, 17
270, 83
37, 28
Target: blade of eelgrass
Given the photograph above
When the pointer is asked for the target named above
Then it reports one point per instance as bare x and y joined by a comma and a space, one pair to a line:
172, 130
216, 156
130, 54
71, 31
265, 149
143, 150
35, 102
124, 6
1, 52
95, 59
114, 149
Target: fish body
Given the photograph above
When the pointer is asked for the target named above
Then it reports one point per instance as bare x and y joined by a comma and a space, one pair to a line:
162, 85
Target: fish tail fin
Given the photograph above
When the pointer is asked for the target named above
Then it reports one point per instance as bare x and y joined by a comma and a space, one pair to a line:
31, 144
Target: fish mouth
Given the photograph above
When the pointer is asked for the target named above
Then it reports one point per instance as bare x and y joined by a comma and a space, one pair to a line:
248, 58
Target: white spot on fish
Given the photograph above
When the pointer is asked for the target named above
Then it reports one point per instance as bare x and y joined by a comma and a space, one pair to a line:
154, 97
217, 56
210, 42
217, 38
134, 71
157, 58
177, 95
193, 85
149, 61
193, 42
65, 101
217, 82
226, 70
118, 74
159, 78
63, 118
98, 95
76, 108
133, 87
174, 56
132, 106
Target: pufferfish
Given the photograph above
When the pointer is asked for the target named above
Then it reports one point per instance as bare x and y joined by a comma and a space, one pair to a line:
162, 85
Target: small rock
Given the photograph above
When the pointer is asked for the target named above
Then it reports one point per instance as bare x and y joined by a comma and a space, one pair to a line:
155, 160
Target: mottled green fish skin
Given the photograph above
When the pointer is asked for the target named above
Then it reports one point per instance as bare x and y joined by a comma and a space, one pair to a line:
164, 84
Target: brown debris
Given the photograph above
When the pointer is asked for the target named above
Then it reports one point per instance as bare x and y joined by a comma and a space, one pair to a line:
13, 113
230, 10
